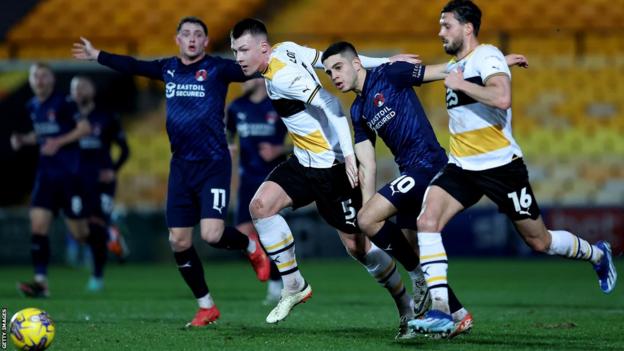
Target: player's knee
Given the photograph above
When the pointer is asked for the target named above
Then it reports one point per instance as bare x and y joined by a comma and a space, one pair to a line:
212, 235
365, 222
259, 209
428, 223
179, 243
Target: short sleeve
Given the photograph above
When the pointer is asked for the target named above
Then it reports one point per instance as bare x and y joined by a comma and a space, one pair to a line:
491, 62
295, 85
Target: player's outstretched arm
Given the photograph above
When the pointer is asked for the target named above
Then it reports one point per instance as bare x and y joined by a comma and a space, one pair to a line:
438, 72
367, 170
122, 63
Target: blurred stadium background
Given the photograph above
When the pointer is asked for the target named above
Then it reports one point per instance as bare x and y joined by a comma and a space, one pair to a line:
568, 106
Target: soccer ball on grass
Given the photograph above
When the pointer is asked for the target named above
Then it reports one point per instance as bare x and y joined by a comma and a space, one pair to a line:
32, 329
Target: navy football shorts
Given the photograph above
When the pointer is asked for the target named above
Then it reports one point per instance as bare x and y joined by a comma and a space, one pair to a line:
406, 194
56, 191
197, 190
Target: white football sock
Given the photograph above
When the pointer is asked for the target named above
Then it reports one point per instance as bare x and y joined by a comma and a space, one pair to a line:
434, 265
279, 243
251, 247
206, 301
566, 244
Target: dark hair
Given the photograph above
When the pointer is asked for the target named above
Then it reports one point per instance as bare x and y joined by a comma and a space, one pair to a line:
465, 11
252, 26
340, 47
192, 19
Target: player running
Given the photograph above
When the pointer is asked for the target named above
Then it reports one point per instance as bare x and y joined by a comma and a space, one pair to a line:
57, 128
322, 170
260, 148
98, 171
484, 160
200, 170
387, 106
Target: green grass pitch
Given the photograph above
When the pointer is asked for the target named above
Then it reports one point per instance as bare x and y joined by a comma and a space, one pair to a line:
551, 304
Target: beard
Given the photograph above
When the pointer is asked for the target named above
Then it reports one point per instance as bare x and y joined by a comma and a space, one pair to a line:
453, 47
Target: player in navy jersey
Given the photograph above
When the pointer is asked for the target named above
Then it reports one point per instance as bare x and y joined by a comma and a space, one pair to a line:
387, 106
200, 171
57, 128
261, 135
98, 171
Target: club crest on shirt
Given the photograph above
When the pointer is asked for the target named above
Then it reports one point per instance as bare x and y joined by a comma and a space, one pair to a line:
201, 75
379, 100
271, 117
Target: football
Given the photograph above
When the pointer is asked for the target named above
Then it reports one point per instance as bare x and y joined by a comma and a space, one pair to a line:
32, 329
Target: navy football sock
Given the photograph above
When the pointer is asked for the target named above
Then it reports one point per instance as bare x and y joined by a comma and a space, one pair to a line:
40, 253
192, 271
232, 239
390, 238
97, 241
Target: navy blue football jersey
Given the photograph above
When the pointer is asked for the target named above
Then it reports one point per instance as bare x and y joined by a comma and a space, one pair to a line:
195, 96
255, 123
55, 116
95, 147
389, 107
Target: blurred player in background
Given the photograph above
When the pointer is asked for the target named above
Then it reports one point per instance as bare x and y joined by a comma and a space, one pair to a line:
260, 148
485, 160
98, 171
200, 171
57, 128
323, 169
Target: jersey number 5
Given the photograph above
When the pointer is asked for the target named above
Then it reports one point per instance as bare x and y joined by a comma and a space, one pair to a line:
349, 212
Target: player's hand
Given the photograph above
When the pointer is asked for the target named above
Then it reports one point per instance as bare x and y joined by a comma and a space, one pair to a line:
352, 170
455, 79
517, 60
411, 58
16, 142
50, 147
85, 50
107, 176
